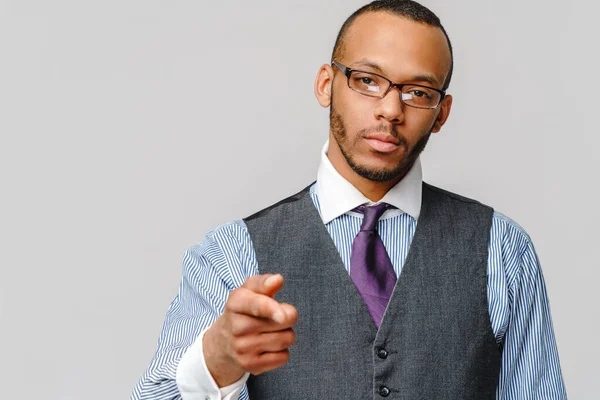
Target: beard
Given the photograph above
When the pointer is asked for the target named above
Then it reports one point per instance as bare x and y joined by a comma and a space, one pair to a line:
347, 144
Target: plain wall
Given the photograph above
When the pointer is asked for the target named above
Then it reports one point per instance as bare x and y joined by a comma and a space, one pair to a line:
130, 128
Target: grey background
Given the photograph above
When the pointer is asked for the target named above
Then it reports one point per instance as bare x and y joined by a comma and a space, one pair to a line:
130, 128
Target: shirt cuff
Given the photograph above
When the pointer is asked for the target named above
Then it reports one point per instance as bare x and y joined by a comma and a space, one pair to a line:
195, 382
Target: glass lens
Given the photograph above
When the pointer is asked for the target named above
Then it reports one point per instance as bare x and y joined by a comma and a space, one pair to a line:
376, 86
369, 84
420, 96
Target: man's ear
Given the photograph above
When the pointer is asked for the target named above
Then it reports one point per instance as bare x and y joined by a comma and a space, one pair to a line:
442, 117
323, 84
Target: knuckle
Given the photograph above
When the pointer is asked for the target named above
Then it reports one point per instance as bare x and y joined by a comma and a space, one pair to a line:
283, 340
251, 281
227, 307
252, 365
238, 347
284, 357
293, 315
256, 306
232, 299
236, 327
291, 338
254, 309
240, 325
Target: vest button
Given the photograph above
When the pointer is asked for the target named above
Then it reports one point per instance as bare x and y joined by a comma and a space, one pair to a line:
384, 391
382, 353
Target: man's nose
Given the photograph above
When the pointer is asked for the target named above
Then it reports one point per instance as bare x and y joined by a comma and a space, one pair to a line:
390, 107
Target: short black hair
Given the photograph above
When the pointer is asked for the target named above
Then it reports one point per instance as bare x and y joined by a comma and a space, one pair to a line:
403, 8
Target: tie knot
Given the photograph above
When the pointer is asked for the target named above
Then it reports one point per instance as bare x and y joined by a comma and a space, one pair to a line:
372, 215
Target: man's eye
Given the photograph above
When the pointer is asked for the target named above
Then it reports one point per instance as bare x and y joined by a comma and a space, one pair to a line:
419, 93
367, 81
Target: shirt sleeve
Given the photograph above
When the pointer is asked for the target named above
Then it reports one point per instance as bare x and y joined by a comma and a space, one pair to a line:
211, 270
530, 362
195, 381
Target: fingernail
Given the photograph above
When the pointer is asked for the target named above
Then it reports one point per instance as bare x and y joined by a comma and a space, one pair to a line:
279, 316
270, 280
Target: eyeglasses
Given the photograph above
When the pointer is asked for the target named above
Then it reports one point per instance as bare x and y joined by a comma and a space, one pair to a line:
375, 85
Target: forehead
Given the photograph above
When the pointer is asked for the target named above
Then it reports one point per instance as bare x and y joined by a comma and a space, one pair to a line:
400, 47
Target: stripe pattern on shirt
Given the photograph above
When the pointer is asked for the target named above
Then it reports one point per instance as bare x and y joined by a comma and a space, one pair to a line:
517, 299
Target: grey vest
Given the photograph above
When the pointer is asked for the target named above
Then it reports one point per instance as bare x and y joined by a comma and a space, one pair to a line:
435, 340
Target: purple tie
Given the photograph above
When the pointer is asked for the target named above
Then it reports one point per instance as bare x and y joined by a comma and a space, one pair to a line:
370, 267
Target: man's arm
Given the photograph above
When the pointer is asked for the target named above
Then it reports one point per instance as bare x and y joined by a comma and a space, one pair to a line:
530, 362
211, 270
223, 324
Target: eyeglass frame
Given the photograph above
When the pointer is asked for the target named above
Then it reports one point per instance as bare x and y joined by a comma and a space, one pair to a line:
348, 71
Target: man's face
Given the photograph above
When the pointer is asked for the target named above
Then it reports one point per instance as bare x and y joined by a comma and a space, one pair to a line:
379, 139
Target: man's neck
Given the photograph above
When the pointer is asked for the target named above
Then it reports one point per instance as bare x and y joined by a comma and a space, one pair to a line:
372, 190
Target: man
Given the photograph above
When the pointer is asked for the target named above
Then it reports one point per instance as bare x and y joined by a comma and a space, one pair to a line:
393, 288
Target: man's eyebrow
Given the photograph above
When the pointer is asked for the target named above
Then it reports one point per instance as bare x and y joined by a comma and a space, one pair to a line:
417, 78
426, 78
369, 64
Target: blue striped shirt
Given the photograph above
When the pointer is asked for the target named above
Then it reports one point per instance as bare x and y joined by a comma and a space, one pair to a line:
518, 303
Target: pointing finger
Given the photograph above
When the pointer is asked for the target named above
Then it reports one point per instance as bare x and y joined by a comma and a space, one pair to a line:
245, 301
267, 284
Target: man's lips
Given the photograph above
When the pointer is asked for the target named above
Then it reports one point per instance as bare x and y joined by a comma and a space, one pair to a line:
382, 142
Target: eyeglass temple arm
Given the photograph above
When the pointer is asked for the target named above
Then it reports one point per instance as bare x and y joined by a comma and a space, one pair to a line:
342, 68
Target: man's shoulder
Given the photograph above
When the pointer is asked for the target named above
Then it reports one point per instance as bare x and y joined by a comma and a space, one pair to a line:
234, 234
508, 228
228, 235
454, 196
281, 203
224, 256
503, 224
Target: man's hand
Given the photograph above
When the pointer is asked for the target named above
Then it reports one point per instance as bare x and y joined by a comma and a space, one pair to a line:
253, 334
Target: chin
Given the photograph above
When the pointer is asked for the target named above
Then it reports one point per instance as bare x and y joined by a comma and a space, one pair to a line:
377, 172
380, 161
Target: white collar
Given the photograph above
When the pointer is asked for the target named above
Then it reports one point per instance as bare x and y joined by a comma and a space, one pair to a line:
337, 196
